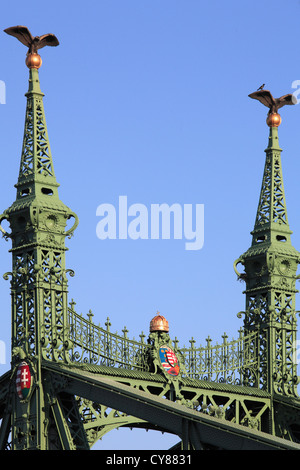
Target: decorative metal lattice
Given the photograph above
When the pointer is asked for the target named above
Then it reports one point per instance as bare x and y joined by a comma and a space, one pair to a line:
231, 361
272, 206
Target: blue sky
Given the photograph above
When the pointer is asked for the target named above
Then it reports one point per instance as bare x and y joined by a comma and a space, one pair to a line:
149, 99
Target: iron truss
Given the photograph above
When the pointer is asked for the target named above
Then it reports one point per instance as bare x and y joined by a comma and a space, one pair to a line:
88, 401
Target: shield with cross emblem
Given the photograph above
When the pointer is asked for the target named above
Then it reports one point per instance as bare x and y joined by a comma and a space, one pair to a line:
23, 380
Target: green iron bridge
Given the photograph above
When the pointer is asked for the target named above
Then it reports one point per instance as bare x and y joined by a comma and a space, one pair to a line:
72, 381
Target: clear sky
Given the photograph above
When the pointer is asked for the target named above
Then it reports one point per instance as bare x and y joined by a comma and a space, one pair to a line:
149, 100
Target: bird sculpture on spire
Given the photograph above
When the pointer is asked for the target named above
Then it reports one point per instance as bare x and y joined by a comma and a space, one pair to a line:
33, 43
266, 98
22, 33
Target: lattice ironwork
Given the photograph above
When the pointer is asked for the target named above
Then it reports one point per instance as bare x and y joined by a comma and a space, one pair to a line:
96, 345
270, 276
230, 362
272, 207
36, 157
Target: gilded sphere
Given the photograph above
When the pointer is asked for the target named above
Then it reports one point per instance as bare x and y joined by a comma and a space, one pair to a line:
159, 323
274, 120
33, 61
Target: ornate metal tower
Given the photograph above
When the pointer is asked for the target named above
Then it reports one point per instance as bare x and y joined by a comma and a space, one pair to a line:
72, 381
270, 275
38, 221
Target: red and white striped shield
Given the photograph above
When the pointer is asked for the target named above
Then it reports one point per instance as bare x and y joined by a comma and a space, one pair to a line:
169, 360
23, 380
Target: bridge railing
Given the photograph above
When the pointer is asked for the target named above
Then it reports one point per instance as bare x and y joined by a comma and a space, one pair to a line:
96, 345
231, 361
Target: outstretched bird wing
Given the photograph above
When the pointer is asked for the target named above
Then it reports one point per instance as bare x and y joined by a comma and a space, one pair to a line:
47, 40
264, 96
22, 33
285, 99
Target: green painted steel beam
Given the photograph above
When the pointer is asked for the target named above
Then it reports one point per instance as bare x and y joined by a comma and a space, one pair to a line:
62, 426
5, 429
164, 413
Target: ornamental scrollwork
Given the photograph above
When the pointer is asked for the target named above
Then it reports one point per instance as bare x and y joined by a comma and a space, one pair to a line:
232, 362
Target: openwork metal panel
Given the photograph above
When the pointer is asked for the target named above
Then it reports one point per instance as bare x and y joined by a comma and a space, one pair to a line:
233, 361
272, 206
230, 362
96, 345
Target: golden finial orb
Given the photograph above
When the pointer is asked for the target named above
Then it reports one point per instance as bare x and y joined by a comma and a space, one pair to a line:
273, 120
159, 323
33, 60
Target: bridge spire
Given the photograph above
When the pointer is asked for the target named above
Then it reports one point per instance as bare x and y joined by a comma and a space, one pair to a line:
36, 175
271, 223
270, 266
39, 287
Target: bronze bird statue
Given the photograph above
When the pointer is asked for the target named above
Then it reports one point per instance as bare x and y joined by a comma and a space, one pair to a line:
265, 97
33, 43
